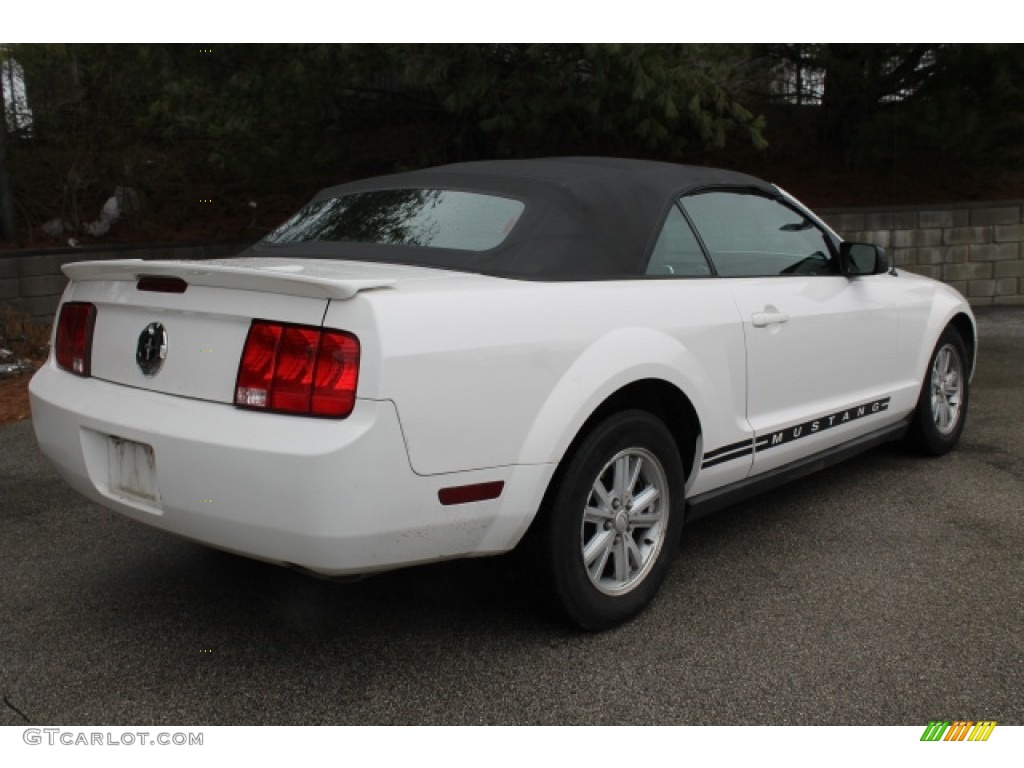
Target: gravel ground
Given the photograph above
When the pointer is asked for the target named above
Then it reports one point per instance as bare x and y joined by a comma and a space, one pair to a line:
888, 590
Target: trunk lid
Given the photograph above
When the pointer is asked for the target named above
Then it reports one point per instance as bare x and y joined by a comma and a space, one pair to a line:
206, 325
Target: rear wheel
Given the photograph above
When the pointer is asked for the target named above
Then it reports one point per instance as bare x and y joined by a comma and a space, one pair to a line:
942, 405
612, 524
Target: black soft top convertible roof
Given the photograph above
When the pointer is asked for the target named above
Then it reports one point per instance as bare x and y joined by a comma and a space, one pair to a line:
585, 217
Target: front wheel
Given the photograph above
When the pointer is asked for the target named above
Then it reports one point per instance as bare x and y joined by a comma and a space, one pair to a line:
942, 405
612, 523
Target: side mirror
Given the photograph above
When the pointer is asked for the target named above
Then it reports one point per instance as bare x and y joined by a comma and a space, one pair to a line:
862, 259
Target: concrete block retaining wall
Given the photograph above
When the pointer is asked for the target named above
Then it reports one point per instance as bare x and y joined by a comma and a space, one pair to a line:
975, 247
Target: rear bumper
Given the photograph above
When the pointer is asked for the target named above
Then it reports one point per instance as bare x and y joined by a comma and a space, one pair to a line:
336, 497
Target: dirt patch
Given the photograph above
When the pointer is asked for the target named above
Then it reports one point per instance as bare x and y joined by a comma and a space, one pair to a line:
14, 399
23, 349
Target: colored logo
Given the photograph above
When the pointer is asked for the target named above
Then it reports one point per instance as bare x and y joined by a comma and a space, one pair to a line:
959, 730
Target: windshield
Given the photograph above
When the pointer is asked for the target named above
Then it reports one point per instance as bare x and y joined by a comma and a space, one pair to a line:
431, 218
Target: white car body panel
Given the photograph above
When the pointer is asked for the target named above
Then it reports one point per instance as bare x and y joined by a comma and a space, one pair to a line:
838, 347
302, 492
468, 399
930, 306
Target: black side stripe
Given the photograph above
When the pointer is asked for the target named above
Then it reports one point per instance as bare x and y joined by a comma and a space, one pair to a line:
789, 434
727, 453
728, 449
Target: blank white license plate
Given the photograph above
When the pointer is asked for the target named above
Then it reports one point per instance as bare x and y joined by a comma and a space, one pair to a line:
132, 470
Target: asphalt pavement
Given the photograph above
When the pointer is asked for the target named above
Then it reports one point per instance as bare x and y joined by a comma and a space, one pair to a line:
888, 590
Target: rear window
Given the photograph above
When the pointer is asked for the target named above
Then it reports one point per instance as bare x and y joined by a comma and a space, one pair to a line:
430, 218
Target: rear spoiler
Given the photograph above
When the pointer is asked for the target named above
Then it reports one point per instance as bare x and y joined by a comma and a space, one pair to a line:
271, 279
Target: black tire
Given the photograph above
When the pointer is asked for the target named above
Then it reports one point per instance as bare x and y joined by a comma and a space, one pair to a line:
942, 405
631, 532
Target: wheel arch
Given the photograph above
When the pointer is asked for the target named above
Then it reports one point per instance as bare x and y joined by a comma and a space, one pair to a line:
964, 325
946, 309
659, 397
629, 368
926, 435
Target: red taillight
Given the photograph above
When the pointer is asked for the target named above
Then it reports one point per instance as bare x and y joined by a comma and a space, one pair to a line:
298, 369
337, 372
74, 337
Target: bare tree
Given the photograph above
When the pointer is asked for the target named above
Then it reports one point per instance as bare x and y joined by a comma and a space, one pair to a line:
6, 198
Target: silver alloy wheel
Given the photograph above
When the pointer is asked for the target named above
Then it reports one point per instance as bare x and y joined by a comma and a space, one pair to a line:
625, 521
946, 381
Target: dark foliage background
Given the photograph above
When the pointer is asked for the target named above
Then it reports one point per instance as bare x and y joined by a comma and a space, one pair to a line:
223, 141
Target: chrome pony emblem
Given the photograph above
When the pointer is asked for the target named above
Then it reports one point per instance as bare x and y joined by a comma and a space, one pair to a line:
151, 349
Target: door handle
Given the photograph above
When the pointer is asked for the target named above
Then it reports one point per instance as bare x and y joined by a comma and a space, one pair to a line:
763, 319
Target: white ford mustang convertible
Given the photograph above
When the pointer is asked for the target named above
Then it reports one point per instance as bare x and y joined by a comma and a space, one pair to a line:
573, 356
